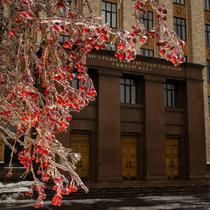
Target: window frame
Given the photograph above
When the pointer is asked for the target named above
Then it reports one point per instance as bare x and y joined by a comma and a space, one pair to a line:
206, 4
207, 34
180, 28
124, 83
209, 105
208, 70
70, 3
182, 2
143, 52
147, 20
171, 88
111, 13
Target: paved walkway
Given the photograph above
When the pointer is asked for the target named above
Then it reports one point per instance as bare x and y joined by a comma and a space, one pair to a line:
188, 202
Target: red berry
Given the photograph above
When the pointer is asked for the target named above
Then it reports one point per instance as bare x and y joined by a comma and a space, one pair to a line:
9, 175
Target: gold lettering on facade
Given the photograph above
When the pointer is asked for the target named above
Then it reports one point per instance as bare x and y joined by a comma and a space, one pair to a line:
133, 65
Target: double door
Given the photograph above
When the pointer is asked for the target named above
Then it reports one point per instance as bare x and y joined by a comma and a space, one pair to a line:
129, 157
172, 158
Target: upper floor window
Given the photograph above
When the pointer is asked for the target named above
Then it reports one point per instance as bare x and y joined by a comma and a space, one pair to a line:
146, 52
179, 1
127, 90
208, 70
109, 12
148, 20
171, 94
111, 47
66, 10
180, 27
207, 5
63, 38
209, 104
207, 33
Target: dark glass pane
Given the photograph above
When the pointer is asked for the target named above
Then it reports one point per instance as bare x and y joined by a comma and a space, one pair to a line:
114, 8
150, 26
169, 98
179, 32
127, 81
74, 83
121, 81
151, 53
114, 20
165, 96
103, 6
209, 104
108, 18
150, 15
172, 99
133, 94
183, 21
127, 94
208, 71
208, 43
108, 7
132, 82
122, 94
103, 20
183, 33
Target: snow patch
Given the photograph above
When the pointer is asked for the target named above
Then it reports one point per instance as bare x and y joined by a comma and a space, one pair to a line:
15, 187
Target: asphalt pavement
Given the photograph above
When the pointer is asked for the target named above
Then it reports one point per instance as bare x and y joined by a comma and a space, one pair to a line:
138, 202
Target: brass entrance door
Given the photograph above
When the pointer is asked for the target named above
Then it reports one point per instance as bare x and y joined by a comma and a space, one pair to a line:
2, 145
80, 144
129, 157
172, 158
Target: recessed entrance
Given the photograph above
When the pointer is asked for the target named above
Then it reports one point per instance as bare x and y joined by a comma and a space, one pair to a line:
129, 157
172, 158
80, 144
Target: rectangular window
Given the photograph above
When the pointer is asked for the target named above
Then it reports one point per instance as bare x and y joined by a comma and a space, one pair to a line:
208, 70
76, 82
110, 47
63, 38
146, 52
180, 27
109, 12
127, 90
179, 1
66, 10
207, 5
148, 20
207, 32
209, 104
171, 94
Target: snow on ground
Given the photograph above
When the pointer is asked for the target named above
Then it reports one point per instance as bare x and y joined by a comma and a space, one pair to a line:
15, 187
11, 191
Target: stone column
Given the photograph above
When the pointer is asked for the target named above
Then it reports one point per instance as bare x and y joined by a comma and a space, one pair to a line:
109, 150
196, 130
155, 128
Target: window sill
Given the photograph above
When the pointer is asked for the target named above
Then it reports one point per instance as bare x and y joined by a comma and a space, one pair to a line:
174, 109
129, 105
